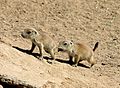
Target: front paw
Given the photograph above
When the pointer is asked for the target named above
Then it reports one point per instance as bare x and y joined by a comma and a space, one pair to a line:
74, 65
51, 61
40, 58
29, 51
70, 62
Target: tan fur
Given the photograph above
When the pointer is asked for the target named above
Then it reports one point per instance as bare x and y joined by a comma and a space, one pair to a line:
78, 51
41, 39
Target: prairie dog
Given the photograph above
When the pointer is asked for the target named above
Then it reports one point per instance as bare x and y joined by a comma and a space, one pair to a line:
78, 51
42, 40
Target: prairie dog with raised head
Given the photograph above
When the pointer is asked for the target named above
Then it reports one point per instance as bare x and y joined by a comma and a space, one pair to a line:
42, 40
78, 51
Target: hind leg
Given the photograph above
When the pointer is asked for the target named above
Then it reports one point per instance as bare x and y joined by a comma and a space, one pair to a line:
51, 52
40, 46
92, 61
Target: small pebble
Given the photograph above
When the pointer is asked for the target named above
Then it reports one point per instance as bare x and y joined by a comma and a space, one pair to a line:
103, 64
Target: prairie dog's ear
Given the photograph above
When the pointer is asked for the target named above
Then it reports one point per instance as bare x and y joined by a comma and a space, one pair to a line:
35, 32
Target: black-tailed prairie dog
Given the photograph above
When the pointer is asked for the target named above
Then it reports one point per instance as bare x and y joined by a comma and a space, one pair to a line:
78, 51
42, 40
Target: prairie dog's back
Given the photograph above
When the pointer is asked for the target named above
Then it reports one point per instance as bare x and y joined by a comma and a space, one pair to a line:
83, 50
45, 39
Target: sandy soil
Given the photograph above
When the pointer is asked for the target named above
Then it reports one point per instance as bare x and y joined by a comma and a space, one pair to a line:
87, 21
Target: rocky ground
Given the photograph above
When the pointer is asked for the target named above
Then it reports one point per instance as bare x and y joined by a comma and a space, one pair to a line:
87, 21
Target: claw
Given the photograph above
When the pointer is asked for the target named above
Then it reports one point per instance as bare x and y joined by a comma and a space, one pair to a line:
51, 61
74, 65
40, 58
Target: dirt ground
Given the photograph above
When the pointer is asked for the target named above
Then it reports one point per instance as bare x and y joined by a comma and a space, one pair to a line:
87, 21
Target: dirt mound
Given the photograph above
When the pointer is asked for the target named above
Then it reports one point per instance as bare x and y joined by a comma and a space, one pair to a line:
88, 21
22, 70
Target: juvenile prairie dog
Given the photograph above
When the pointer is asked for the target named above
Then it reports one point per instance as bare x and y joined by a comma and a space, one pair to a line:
78, 51
42, 40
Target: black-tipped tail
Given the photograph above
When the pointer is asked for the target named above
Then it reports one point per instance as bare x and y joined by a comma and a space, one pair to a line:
96, 46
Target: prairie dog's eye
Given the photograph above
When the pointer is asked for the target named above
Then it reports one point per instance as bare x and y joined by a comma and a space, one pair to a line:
65, 43
71, 43
28, 32
35, 32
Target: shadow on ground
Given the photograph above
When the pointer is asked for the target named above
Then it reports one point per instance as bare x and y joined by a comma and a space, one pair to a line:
26, 51
67, 62
47, 58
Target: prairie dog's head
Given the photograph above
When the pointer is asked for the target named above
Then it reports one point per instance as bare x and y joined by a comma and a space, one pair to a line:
65, 46
29, 33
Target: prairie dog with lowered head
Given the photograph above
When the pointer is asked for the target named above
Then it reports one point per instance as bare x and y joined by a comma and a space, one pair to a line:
78, 51
42, 40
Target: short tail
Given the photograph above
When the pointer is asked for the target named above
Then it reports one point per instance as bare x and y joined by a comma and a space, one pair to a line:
96, 46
